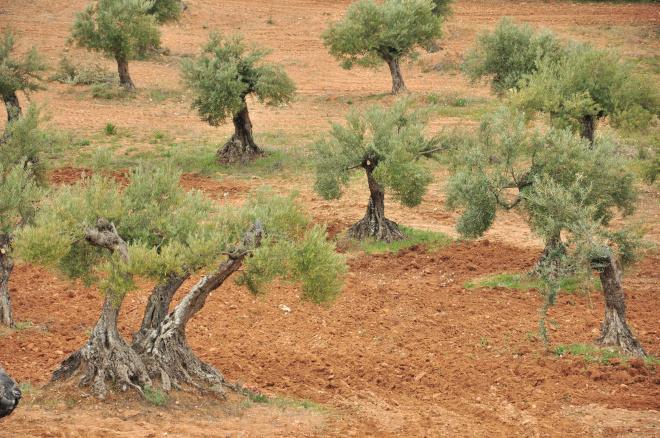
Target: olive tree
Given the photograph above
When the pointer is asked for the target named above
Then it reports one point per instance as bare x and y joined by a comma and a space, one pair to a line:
509, 52
120, 29
587, 85
21, 178
496, 170
221, 79
17, 74
372, 33
510, 167
109, 236
591, 246
387, 144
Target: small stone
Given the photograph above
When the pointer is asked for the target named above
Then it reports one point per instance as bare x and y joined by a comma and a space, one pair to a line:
284, 308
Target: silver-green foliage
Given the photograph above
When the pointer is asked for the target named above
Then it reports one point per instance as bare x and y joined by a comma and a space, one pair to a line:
170, 231
18, 73
509, 164
166, 10
588, 82
21, 170
120, 29
372, 32
390, 139
227, 72
508, 53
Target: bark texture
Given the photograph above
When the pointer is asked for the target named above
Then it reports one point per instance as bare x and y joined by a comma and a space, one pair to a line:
375, 224
10, 395
6, 266
106, 356
12, 105
614, 331
165, 349
588, 128
241, 147
159, 304
398, 86
124, 76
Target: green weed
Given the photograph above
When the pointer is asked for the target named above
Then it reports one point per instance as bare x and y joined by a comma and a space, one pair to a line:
430, 239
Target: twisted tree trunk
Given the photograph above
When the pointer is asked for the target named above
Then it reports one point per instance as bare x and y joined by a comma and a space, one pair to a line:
614, 331
165, 350
6, 266
106, 356
398, 85
12, 105
375, 224
159, 304
124, 76
241, 147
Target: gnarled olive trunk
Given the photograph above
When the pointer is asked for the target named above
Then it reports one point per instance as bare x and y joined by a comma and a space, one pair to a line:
398, 85
6, 266
241, 147
124, 76
106, 355
159, 304
614, 330
12, 105
165, 350
588, 128
375, 224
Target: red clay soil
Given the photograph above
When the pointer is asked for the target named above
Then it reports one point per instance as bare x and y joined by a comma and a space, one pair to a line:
405, 350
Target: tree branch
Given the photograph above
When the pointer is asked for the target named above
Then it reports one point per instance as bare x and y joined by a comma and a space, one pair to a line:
196, 297
105, 235
430, 151
354, 167
506, 205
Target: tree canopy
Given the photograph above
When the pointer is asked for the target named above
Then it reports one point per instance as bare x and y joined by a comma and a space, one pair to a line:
372, 32
508, 53
227, 72
120, 29
585, 85
500, 168
17, 73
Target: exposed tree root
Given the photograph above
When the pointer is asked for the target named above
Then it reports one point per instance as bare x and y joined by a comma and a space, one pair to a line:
235, 151
105, 357
378, 228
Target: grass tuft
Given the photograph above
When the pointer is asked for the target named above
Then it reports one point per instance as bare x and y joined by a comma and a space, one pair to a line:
523, 282
155, 396
594, 354
414, 237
